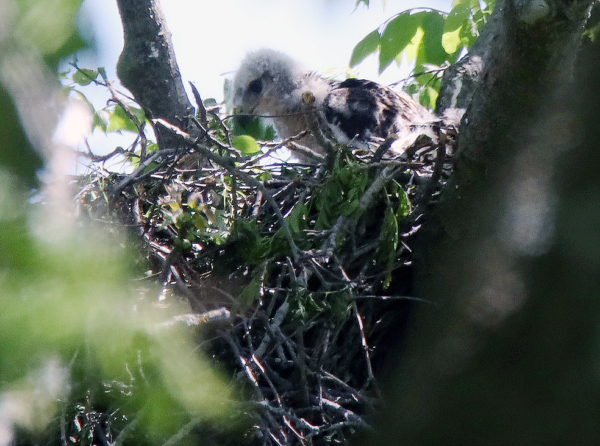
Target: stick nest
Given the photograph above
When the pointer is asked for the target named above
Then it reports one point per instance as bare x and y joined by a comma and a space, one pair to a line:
299, 275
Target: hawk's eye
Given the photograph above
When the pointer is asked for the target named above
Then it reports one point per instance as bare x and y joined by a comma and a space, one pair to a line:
255, 86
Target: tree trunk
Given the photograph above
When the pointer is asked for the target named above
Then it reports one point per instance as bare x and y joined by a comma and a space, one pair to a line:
508, 356
148, 68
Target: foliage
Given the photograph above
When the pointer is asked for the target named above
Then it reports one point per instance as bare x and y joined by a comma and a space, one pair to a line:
300, 262
76, 334
430, 39
25, 26
298, 255
290, 252
121, 114
72, 304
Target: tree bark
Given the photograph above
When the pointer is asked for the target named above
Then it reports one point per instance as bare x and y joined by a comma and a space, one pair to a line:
507, 357
148, 68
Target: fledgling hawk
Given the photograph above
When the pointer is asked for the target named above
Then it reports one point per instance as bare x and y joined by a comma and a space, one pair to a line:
359, 113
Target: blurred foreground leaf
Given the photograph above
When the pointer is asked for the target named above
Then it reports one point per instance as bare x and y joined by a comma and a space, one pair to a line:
16, 153
66, 299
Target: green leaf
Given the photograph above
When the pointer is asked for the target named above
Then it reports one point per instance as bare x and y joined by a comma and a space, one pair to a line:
85, 76
266, 175
252, 291
405, 206
414, 47
457, 21
451, 41
351, 207
458, 17
246, 144
102, 119
388, 244
396, 36
139, 113
257, 128
119, 120
432, 51
428, 97
297, 218
269, 133
199, 221
469, 3
365, 47
49, 26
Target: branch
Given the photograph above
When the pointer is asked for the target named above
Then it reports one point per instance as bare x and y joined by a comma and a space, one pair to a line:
499, 342
229, 164
148, 68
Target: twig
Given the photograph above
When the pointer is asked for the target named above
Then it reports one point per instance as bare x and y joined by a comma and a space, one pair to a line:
438, 168
383, 297
199, 105
343, 223
223, 127
257, 203
127, 430
63, 423
244, 363
137, 172
346, 413
302, 366
384, 147
277, 320
101, 158
357, 394
183, 432
306, 151
228, 163
365, 346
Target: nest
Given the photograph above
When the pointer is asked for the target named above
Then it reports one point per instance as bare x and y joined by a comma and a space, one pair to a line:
300, 275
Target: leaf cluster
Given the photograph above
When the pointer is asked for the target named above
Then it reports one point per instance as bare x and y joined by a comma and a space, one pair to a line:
29, 58
428, 38
304, 261
83, 356
121, 114
307, 259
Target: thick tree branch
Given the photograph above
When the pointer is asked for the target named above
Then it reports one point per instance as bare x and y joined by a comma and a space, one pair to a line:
147, 67
491, 366
517, 76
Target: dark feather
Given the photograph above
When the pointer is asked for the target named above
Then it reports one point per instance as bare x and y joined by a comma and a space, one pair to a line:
361, 109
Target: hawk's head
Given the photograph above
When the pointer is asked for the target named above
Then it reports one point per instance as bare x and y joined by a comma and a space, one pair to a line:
266, 83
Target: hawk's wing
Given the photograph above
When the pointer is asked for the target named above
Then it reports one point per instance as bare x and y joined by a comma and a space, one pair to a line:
359, 111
